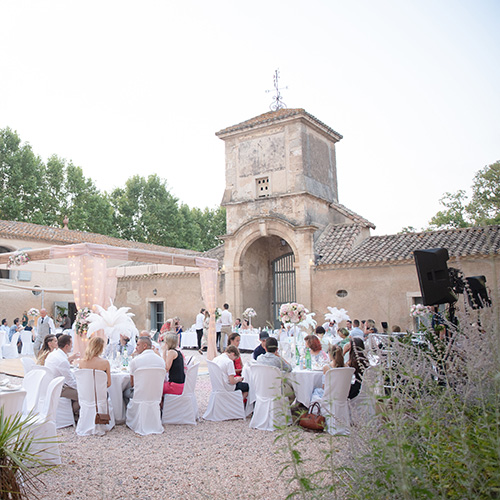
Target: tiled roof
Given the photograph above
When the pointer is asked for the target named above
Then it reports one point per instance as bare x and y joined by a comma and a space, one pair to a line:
216, 253
58, 236
274, 116
337, 245
357, 219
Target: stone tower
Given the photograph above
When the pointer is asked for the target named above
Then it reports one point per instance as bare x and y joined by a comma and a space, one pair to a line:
280, 194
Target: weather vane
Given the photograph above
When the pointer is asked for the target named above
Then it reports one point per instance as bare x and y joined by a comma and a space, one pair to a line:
277, 102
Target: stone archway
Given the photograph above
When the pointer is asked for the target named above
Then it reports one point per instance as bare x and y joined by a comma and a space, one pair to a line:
257, 276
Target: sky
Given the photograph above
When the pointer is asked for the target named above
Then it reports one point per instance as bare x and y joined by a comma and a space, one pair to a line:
122, 88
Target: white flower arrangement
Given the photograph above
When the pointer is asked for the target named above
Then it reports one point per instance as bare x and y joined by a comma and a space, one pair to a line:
293, 313
113, 321
420, 311
249, 313
19, 258
218, 312
33, 312
82, 321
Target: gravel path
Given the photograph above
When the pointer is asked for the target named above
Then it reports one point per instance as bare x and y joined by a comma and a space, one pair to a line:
212, 460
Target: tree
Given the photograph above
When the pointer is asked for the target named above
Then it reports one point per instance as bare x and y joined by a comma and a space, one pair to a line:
483, 208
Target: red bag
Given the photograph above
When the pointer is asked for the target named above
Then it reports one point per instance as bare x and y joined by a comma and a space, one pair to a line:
311, 420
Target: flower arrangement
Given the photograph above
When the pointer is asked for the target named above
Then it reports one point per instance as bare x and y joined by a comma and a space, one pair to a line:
33, 312
19, 258
420, 311
337, 315
114, 322
82, 321
249, 313
293, 313
218, 312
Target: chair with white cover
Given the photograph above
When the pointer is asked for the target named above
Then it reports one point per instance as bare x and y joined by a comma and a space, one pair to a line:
362, 407
86, 425
44, 385
223, 404
334, 405
28, 364
46, 445
182, 408
9, 349
27, 340
32, 383
271, 406
143, 410
4, 336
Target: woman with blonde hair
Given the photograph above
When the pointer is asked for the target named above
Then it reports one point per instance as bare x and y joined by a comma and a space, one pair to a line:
92, 358
174, 364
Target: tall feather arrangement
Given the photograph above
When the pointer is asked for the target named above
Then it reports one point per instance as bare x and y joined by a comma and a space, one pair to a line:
337, 315
113, 321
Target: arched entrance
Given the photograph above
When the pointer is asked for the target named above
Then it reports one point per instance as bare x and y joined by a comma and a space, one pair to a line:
268, 277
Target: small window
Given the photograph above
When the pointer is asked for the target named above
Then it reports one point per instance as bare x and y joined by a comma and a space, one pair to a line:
262, 187
342, 293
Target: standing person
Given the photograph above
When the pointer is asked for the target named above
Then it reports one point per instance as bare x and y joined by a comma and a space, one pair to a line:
44, 326
178, 330
199, 327
226, 319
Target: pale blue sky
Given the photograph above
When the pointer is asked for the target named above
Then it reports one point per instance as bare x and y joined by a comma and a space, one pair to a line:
124, 88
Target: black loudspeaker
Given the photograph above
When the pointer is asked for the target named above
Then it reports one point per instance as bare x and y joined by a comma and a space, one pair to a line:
476, 292
434, 277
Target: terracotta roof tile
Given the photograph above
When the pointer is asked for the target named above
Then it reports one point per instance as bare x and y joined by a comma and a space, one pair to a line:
274, 116
58, 236
337, 245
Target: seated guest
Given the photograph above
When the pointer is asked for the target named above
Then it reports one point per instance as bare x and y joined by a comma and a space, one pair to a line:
59, 363
330, 328
174, 364
92, 358
370, 327
318, 356
358, 361
237, 325
125, 345
356, 330
246, 325
65, 323
49, 344
336, 361
146, 358
156, 346
260, 349
344, 334
272, 358
234, 339
225, 361
320, 332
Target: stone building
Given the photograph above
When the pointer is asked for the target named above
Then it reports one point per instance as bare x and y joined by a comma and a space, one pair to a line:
288, 239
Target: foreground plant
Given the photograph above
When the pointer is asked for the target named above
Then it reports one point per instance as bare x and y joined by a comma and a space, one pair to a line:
20, 468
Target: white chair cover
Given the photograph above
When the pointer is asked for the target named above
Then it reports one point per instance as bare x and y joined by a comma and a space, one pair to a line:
12, 402
334, 404
223, 404
86, 425
182, 408
9, 349
49, 376
31, 384
46, 445
3, 339
362, 407
28, 364
271, 406
143, 410
27, 340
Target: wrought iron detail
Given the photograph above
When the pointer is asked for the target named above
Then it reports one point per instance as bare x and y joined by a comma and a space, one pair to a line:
277, 102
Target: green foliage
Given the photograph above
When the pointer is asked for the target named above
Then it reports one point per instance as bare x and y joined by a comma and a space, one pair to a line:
484, 207
143, 210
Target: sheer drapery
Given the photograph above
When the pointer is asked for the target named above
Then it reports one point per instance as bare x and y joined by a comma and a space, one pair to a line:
208, 279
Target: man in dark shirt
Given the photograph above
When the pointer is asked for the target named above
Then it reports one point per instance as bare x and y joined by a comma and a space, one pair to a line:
260, 348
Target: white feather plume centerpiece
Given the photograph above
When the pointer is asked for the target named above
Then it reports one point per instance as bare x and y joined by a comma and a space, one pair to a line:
309, 323
337, 315
113, 322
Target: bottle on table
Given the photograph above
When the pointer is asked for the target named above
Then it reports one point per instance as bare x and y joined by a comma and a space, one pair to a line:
308, 359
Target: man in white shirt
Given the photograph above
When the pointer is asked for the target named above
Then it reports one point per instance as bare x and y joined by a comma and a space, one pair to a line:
146, 358
226, 319
58, 361
226, 363
44, 326
200, 317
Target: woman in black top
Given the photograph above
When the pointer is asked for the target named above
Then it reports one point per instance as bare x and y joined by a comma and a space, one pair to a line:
174, 364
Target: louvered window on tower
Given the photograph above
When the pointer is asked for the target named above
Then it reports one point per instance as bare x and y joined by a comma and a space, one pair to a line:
262, 187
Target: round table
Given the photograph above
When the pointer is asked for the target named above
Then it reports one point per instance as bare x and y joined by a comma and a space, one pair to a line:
304, 382
12, 401
120, 380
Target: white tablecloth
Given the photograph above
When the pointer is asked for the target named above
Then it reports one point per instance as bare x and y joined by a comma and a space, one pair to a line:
249, 341
12, 401
304, 382
120, 380
189, 339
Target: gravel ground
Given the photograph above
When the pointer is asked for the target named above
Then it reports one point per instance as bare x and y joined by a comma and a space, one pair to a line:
212, 460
